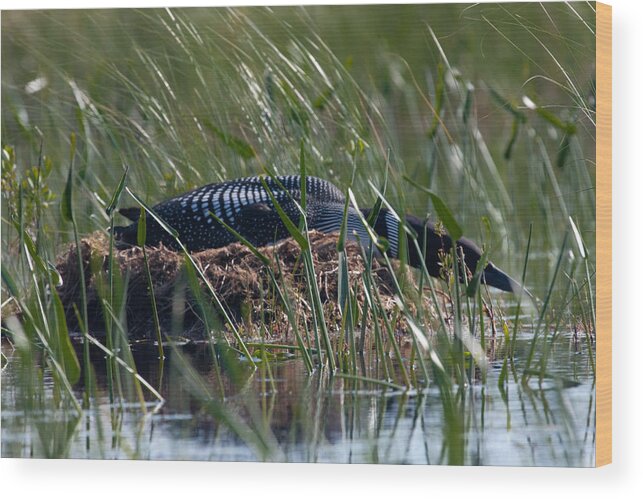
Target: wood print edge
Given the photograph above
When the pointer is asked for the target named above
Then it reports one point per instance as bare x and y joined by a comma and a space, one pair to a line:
603, 234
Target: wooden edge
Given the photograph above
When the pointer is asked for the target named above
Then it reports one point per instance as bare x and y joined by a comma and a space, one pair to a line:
603, 234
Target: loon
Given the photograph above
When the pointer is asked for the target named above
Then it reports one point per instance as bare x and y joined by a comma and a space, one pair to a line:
245, 205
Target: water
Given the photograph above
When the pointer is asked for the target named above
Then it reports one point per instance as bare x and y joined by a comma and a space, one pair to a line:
314, 418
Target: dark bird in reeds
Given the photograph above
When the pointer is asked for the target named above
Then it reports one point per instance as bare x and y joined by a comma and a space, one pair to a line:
246, 206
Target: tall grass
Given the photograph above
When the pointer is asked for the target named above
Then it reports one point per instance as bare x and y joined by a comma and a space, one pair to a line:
241, 92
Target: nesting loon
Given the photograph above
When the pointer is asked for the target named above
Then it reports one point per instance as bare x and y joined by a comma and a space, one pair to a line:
245, 205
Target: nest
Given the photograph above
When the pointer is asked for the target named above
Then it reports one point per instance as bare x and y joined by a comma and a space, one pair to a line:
239, 279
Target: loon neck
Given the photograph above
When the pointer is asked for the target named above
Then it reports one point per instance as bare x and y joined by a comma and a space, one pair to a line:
387, 226
329, 216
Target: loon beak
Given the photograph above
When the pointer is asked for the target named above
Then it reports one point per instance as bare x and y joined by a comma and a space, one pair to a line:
493, 276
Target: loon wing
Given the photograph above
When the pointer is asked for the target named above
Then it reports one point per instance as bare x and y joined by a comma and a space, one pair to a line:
256, 210
260, 224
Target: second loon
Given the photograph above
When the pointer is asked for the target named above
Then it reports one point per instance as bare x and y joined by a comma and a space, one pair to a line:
245, 205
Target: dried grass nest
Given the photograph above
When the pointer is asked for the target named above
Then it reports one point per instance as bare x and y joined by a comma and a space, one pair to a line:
238, 277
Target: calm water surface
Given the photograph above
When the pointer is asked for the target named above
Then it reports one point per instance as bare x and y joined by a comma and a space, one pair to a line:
317, 418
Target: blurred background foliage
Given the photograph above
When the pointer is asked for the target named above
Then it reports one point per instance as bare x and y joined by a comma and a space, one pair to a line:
489, 105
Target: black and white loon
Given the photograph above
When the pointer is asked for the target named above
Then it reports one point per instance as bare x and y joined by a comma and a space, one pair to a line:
245, 205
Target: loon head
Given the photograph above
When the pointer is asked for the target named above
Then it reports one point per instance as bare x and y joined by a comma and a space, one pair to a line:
436, 245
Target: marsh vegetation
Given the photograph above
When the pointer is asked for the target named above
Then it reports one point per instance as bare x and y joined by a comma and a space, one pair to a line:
482, 117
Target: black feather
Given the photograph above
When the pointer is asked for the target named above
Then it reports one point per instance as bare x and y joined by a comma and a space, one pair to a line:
130, 213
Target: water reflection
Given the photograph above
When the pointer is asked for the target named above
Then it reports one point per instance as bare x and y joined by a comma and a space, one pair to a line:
299, 418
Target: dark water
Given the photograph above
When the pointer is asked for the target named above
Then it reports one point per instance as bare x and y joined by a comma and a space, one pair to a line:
302, 418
